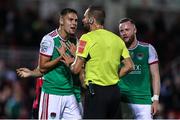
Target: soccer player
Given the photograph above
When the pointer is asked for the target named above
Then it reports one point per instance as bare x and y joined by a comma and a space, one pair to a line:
101, 51
57, 98
136, 86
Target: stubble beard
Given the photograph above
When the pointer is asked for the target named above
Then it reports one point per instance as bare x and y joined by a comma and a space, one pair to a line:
86, 27
130, 41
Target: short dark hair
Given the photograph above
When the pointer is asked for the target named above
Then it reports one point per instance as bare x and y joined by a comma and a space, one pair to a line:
67, 10
126, 20
98, 13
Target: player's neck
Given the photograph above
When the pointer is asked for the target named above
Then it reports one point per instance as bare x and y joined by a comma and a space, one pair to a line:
62, 34
96, 27
133, 44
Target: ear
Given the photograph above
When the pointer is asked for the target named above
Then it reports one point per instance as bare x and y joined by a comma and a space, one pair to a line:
91, 20
135, 30
61, 21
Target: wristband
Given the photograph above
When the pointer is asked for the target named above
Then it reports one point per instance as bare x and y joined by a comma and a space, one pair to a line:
155, 97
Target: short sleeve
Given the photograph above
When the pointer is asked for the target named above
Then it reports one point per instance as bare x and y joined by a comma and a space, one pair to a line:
153, 57
84, 46
47, 46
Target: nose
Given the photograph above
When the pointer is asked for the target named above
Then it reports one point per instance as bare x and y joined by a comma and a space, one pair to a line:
74, 22
123, 33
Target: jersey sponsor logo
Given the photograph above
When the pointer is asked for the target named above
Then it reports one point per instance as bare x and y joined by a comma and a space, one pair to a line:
137, 69
44, 46
81, 46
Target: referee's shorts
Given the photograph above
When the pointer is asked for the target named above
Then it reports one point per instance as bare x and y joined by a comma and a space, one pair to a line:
103, 104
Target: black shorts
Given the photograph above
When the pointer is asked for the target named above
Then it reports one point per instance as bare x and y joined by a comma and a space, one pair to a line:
103, 104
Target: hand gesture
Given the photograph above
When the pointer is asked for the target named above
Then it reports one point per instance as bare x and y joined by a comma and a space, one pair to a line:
67, 59
62, 49
72, 48
154, 107
24, 72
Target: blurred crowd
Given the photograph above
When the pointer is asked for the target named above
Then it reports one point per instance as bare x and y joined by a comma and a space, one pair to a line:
24, 29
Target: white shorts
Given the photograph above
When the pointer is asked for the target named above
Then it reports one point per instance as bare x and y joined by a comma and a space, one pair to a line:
58, 107
139, 111
81, 108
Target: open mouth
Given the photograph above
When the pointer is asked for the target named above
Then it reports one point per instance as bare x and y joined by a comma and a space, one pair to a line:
73, 28
125, 37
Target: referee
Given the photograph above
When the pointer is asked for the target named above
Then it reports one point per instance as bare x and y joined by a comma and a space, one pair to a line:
100, 50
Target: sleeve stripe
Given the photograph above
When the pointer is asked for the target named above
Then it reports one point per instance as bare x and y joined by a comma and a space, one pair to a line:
45, 55
153, 62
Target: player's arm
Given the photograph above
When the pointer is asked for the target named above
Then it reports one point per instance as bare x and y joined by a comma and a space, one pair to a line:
36, 73
82, 77
46, 50
45, 64
82, 52
25, 72
154, 69
77, 65
128, 66
127, 61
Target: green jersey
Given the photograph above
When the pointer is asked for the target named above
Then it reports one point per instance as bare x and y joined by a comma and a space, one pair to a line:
58, 80
76, 86
136, 86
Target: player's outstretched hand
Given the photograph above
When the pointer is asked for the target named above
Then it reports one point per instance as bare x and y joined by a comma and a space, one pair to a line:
24, 72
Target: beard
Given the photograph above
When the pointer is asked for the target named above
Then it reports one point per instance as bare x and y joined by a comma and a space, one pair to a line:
130, 41
86, 27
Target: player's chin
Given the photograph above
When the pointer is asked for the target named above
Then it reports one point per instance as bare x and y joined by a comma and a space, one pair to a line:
126, 39
72, 31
